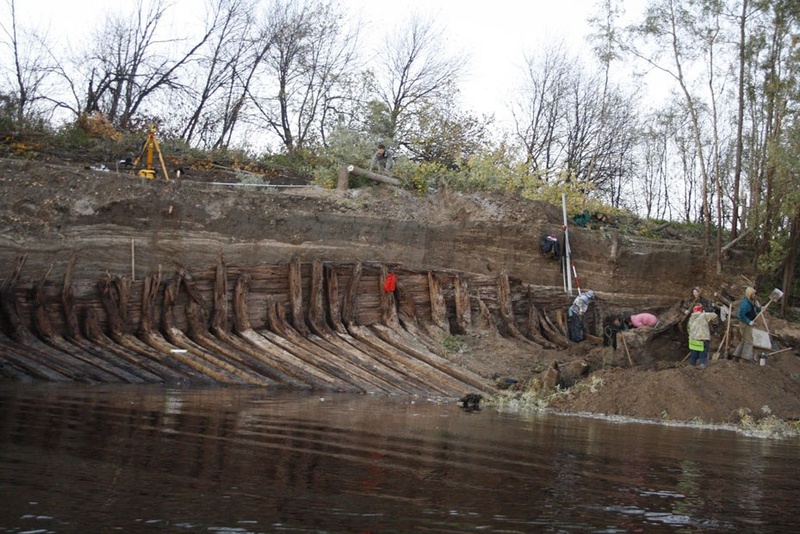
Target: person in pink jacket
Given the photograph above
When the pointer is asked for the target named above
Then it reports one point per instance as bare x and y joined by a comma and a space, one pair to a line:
641, 319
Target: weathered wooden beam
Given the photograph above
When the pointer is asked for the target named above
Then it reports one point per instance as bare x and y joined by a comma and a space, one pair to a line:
733, 243
140, 359
68, 302
459, 378
430, 377
37, 350
387, 300
219, 319
486, 322
534, 325
350, 309
296, 296
463, 311
122, 284
334, 307
283, 335
273, 355
438, 305
189, 352
31, 363
90, 359
345, 172
507, 308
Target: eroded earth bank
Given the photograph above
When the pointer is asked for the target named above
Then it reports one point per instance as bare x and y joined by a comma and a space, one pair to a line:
476, 304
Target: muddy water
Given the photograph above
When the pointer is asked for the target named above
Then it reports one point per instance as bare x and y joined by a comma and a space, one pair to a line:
108, 459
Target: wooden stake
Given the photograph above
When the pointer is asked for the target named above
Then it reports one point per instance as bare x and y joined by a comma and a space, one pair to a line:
627, 353
724, 343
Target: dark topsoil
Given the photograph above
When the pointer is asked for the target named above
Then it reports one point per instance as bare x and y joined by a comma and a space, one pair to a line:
51, 208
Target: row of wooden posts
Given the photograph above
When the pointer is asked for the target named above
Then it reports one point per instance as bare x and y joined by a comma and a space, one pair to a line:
312, 341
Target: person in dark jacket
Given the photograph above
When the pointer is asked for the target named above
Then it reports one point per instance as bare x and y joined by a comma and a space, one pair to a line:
748, 311
382, 161
697, 298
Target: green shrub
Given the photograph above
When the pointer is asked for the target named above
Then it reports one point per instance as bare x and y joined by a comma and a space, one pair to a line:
453, 344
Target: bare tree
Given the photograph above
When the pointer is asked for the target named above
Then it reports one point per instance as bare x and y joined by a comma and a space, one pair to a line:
605, 48
310, 52
664, 24
216, 68
537, 112
653, 175
572, 124
246, 67
130, 62
31, 65
413, 69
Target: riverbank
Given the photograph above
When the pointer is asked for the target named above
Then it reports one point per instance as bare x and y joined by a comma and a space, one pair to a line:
53, 211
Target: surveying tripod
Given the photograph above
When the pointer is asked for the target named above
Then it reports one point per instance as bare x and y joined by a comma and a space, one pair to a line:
150, 145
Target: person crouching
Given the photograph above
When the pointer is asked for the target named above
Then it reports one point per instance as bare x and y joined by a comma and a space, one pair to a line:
700, 335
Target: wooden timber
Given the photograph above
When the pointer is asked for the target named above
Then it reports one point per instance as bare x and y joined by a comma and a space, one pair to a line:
317, 325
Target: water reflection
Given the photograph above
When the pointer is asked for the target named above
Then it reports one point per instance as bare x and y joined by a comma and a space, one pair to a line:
93, 459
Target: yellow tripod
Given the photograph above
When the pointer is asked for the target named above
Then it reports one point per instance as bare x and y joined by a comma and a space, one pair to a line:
150, 145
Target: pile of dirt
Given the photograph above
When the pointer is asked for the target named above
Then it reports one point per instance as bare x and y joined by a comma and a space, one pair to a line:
725, 392
46, 206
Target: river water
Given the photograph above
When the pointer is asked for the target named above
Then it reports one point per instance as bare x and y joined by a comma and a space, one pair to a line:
147, 459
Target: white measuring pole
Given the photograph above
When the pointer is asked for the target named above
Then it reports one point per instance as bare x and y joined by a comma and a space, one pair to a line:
567, 254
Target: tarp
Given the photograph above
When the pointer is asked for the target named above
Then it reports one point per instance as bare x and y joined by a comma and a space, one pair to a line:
761, 339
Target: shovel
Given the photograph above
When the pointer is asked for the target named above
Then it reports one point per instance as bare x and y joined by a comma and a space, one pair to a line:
775, 296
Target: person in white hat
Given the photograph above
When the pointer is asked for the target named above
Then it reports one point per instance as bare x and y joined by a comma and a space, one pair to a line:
748, 311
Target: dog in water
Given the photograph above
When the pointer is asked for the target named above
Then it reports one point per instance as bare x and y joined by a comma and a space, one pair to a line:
471, 402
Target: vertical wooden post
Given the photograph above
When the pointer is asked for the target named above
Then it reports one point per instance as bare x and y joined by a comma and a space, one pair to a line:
334, 308
296, 295
463, 311
388, 302
344, 179
614, 245
438, 306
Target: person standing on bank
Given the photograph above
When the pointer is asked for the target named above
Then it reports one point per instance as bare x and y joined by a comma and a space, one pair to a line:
697, 298
382, 161
576, 312
700, 335
748, 311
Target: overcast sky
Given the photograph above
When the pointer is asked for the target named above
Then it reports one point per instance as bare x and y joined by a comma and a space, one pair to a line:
495, 35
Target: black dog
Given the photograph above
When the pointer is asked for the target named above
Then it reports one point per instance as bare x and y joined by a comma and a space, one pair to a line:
471, 402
